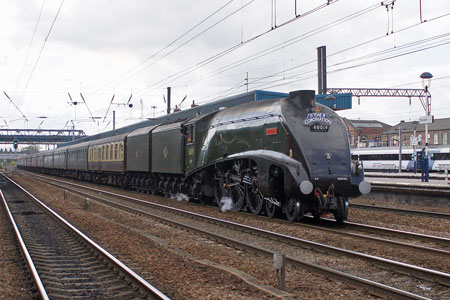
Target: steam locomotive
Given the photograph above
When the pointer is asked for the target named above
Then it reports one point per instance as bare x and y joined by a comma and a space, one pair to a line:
286, 156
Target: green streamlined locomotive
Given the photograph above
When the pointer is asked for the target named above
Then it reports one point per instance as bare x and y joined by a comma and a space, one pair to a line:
286, 156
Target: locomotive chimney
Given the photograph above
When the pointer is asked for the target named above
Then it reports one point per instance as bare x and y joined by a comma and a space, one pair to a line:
303, 98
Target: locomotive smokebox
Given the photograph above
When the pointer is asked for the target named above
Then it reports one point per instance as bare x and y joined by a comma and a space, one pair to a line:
302, 99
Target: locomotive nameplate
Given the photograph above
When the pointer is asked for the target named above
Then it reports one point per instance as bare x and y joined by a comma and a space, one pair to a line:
317, 118
319, 128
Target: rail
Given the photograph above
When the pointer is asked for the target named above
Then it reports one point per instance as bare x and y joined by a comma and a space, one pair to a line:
402, 211
135, 278
23, 248
437, 276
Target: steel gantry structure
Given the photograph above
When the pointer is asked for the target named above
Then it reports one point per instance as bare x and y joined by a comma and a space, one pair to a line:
422, 94
39, 136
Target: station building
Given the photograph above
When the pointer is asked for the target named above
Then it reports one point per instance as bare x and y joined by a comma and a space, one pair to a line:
438, 133
368, 133
372, 133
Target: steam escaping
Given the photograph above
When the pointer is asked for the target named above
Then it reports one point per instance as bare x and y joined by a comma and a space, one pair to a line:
226, 204
180, 197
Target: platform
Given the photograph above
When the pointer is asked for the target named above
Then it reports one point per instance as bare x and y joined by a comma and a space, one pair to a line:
409, 189
438, 180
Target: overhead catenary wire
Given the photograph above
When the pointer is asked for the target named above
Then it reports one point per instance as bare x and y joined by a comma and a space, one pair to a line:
378, 53
29, 47
265, 80
289, 42
134, 70
336, 24
420, 46
309, 34
192, 68
42, 49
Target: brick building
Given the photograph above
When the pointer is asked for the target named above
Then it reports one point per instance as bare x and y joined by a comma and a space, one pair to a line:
438, 133
369, 133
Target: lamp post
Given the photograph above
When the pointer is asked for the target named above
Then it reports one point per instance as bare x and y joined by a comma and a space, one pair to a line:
426, 83
400, 142
414, 144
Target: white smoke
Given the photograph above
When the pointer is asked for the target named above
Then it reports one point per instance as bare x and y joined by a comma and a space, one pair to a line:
226, 204
180, 197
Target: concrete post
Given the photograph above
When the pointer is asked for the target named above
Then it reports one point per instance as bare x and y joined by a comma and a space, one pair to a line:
280, 267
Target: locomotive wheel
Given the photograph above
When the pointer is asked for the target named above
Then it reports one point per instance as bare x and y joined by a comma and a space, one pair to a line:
203, 199
272, 210
229, 198
255, 202
292, 209
341, 212
316, 215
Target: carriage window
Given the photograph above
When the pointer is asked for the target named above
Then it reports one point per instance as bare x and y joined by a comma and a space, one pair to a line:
103, 152
115, 151
121, 151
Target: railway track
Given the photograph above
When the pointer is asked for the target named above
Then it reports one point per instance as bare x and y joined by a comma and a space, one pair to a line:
406, 235
442, 279
433, 244
410, 212
63, 262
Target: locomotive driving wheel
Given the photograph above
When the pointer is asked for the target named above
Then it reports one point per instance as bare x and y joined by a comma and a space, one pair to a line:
272, 209
229, 195
341, 209
255, 201
292, 209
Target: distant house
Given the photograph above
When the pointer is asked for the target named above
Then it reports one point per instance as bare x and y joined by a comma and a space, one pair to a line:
438, 133
368, 133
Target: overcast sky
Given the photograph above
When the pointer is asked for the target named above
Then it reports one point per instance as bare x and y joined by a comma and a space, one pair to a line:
204, 50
